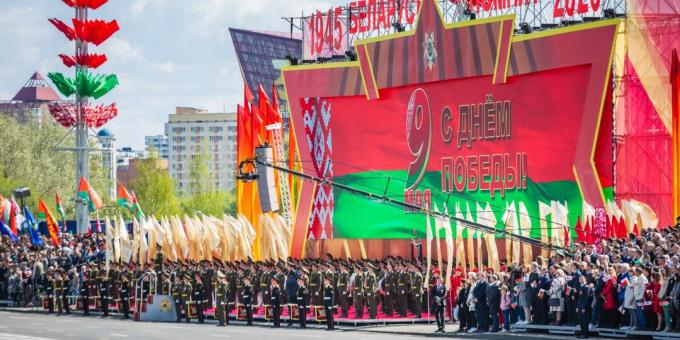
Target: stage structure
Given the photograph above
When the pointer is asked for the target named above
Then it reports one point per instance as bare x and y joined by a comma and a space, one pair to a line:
519, 128
80, 117
331, 34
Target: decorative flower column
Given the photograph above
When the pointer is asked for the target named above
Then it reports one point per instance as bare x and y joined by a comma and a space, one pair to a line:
85, 85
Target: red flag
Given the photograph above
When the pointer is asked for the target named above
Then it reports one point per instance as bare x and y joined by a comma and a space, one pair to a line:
264, 104
567, 237
580, 234
13, 218
588, 229
247, 97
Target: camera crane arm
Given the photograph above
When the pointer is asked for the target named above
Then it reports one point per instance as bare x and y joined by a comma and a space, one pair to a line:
255, 162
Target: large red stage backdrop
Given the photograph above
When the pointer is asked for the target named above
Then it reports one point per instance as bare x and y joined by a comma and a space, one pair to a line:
456, 116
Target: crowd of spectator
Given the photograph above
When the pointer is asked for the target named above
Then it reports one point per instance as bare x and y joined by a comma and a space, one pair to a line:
23, 265
631, 283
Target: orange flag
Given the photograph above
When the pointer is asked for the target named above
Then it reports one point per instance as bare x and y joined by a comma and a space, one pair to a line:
52, 226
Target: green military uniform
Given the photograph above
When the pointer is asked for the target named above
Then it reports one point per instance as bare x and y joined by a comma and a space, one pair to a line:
158, 268
417, 294
359, 290
371, 294
187, 291
315, 287
390, 285
265, 287
58, 292
403, 289
221, 299
343, 294
177, 297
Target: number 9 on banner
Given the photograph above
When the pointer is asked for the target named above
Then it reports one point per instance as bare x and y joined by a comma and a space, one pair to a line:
418, 136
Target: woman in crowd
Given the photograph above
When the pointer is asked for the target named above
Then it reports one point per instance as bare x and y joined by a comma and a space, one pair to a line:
506, 301
472, 311
653, 289
608, 295
461, 302
629, 299
523, 301
556, 292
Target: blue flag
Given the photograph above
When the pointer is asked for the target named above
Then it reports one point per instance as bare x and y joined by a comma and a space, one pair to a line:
32, 226
4, 230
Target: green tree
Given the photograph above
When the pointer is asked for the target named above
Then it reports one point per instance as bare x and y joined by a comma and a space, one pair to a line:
29, 157
155, 189
204, 195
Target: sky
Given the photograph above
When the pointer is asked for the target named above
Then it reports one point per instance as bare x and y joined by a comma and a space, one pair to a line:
167, 53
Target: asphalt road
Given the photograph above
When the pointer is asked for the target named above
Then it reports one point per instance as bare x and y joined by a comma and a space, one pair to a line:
38, 326
23, 326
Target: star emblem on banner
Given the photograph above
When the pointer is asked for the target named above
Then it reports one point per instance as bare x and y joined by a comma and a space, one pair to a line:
430, 51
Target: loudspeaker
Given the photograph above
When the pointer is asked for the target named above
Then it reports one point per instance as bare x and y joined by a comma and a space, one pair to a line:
266, 187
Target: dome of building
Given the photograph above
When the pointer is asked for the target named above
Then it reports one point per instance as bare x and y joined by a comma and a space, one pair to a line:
105, 133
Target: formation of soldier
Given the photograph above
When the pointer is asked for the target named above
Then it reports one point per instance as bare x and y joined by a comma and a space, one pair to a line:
317, 286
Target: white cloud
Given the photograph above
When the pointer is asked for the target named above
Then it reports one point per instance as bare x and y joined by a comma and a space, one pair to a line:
167, 53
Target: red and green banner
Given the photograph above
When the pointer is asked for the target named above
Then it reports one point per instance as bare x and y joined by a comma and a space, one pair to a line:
91, 197
453, 115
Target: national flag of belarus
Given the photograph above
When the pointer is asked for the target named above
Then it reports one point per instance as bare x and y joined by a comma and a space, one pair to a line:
124, 198
86, 192
136, 207
60, 209
52, 226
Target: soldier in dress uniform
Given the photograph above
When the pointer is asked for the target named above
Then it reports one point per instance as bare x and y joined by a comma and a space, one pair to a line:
417, 291
302, 297
158, 268
390, 283
177, 296
359, 290
329, 302
264, 286
221, 293
276, 300
403, 288
248, 299
124, 294
371, 291
59, 290
187, 291
315, 286
343, 290
85, 291
66, 291
49, 290
199, 298
104, 292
